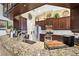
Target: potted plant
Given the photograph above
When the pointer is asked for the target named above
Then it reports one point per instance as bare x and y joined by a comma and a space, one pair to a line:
56, 15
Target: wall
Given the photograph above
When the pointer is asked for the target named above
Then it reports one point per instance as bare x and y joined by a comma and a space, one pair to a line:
75, 19
52, 13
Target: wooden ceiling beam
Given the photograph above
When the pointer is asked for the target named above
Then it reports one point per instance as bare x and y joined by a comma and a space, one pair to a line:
25, 7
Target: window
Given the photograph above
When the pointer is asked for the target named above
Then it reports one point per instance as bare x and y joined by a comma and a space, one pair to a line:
9, 6
5, 9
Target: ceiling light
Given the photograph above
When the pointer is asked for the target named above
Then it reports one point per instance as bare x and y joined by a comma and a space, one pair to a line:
24, 5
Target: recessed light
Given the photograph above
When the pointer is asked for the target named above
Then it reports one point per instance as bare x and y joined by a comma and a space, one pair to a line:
24, 5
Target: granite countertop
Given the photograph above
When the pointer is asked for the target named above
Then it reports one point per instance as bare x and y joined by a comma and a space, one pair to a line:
59, 32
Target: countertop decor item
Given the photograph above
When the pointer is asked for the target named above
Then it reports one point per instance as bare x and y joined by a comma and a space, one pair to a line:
65, 13
48, 28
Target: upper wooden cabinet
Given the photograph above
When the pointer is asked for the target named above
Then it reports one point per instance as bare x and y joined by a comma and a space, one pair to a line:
57, 24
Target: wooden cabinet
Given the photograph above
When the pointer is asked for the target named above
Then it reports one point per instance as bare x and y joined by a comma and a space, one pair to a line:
57, 24
20, 24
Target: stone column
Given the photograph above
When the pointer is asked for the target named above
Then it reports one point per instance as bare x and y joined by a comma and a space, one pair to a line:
31, 27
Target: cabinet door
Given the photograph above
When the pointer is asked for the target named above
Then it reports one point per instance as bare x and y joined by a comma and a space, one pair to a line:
68, 23
62, 24
55, 24
23, 24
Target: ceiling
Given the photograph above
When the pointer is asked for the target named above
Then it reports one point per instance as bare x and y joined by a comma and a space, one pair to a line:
42, 9
25, 7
